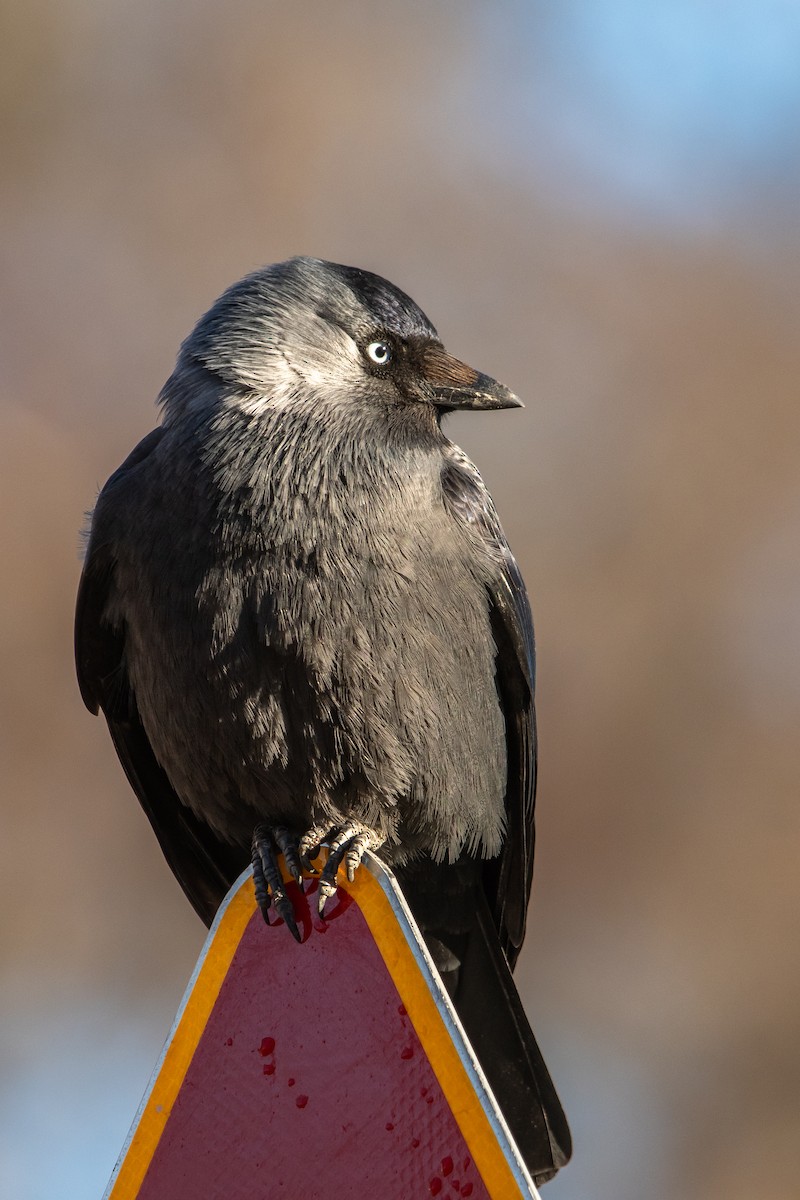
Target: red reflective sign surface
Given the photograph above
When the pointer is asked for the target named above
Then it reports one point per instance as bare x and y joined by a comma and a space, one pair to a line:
299, 1085
306, 1069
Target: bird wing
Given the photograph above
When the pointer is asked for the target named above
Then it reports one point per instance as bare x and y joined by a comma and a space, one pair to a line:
204, 865
507, 879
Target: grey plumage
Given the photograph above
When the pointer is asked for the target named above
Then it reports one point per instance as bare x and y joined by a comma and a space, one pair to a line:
298, 607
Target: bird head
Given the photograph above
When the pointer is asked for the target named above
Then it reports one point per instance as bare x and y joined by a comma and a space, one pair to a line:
313, 330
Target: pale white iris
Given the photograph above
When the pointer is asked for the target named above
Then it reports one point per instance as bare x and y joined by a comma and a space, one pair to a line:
379, 353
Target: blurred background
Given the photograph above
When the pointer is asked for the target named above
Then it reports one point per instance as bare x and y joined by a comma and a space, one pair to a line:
596, 202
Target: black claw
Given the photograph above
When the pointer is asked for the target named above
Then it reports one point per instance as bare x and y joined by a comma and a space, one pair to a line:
287, 844
285, 908
260, 884
267, 879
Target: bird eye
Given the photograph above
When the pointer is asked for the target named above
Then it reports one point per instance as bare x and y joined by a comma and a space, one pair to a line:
379, 353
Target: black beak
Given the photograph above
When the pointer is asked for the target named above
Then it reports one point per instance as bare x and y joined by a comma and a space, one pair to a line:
452, 384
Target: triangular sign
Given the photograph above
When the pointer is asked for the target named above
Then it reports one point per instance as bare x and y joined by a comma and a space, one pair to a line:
336, 1066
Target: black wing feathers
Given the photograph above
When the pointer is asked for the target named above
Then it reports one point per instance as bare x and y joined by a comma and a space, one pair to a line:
507, 879
204, 865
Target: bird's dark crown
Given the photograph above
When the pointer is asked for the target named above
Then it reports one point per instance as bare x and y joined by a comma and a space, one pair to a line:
269, 302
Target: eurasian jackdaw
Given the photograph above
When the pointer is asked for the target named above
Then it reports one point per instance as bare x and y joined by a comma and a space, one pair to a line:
302, 621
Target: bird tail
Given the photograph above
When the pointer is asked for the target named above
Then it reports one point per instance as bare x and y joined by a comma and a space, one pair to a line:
476, 974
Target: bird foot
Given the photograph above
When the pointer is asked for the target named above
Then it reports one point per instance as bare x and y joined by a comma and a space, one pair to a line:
347, 845
267, 877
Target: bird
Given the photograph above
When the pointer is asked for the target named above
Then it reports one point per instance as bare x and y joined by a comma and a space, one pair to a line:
303, 624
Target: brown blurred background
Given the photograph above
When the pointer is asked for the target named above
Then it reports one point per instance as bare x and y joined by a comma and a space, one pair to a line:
597, 202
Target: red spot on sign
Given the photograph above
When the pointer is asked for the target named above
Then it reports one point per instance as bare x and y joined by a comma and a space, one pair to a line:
407, 1052
267, 1046
435, 1185
301, 1101
447, 1165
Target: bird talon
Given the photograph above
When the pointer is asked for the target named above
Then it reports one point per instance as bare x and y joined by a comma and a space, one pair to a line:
309, 845
287, 912
288, 846
326, 890
268, 881
308, 865
347, 844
